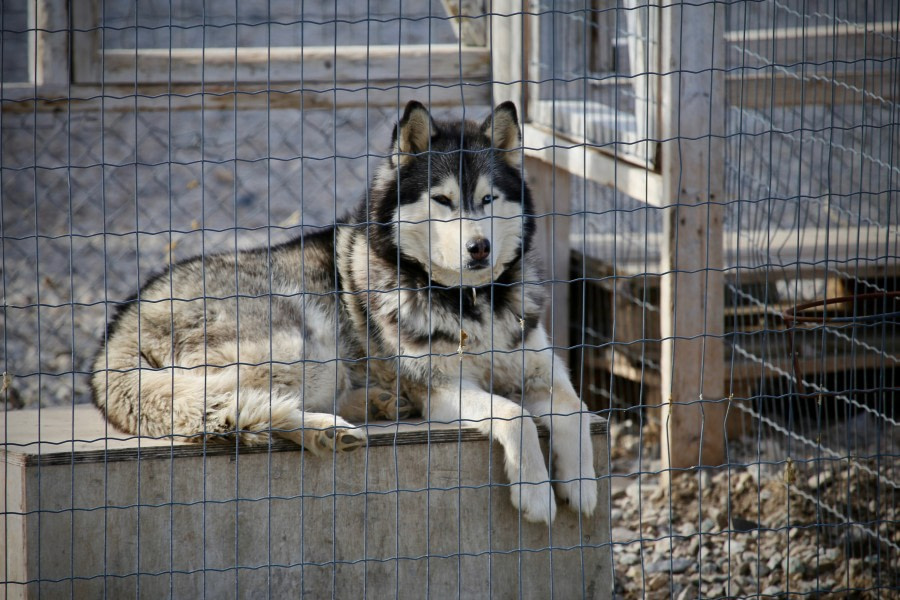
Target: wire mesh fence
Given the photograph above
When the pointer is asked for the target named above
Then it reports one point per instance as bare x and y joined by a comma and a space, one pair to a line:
711, 191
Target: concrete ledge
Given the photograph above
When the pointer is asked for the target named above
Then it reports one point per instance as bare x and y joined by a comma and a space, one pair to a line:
89, 512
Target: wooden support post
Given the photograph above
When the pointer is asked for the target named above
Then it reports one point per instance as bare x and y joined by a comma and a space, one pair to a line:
691, 307
48, 44
506, 48
470, 25
550, 184
551, 189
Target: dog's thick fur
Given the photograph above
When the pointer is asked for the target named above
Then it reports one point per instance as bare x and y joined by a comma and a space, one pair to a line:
427, 298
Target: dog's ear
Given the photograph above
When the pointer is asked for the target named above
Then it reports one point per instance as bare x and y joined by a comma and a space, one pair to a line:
502, 128
413, 133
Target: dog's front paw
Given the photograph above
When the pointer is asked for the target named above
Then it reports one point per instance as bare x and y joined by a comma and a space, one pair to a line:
340, 439
578, 494
535, 501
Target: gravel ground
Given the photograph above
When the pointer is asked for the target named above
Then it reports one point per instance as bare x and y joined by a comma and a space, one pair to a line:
753, 529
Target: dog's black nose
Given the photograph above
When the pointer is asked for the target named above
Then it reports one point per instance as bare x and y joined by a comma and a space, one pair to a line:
479, 248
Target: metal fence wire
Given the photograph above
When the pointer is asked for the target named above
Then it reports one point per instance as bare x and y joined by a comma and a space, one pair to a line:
710, 189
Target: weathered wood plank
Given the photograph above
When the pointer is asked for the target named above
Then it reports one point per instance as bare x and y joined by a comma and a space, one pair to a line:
79, 434
593, 164
754, 90
252, 96
778, 86
290, 63
861, 247
819, 44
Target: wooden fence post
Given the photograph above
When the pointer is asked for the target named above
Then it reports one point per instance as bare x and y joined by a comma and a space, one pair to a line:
691, 307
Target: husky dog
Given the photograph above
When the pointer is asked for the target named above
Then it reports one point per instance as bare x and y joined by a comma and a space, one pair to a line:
427, 299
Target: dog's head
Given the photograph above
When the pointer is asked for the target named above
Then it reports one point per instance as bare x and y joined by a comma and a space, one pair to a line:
455, 196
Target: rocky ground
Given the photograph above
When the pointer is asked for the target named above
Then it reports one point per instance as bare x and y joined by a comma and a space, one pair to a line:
764, 529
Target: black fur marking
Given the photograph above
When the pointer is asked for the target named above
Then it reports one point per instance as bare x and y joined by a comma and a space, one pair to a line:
423, 338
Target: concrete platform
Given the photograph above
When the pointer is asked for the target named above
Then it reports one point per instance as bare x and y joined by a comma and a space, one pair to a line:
424, 510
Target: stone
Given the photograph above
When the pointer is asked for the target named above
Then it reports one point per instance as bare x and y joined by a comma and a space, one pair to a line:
742, 524
829, 558
857, 543
623, 534
693, 546
795, 566
657, 581
676, 565
722, 520
759, 569
689, 528
687, 593
734, 547
774, 561
709, 567
820, 479
771, 590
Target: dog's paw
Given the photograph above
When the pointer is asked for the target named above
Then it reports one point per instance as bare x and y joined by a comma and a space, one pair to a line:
340, 439
390, 407
578, 494
535, 501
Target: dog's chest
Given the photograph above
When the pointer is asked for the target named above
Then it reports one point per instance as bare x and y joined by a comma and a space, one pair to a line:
490, 352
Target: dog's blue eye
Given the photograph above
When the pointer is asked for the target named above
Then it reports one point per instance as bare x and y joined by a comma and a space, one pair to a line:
488, 199
441, 199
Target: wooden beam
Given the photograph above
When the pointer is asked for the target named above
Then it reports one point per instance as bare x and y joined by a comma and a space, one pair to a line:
752, 91
779, 86
246, 96
825, 43
691, 289
594, 164
319, 64
862, 247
